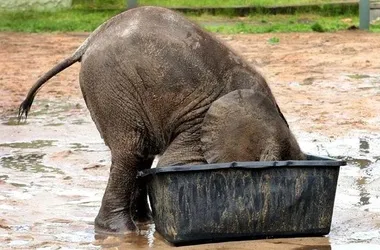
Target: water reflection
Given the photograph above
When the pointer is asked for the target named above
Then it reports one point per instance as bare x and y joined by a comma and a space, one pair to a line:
314, 248
32, 144
28, 162
362, 181
4, 177
360, 162
364, 194
148, 238
363, 146
145, 238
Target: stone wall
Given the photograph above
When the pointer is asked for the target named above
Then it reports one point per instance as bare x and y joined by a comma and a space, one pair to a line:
11, 5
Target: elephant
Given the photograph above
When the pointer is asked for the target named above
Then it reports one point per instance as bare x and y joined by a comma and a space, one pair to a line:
148, 76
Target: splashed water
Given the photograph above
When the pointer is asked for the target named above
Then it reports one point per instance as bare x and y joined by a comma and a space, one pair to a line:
54, 169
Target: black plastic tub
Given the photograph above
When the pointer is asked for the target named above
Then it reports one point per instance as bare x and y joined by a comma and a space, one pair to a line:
243, 200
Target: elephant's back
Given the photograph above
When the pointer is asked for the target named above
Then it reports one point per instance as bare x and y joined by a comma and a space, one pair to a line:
155, 63
169, 48
156, 31
153, 57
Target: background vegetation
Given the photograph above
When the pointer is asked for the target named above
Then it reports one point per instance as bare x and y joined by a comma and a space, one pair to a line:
197, 3
86, 15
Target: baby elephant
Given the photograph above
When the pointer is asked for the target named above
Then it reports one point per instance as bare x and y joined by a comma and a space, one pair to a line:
148, 77
243, 125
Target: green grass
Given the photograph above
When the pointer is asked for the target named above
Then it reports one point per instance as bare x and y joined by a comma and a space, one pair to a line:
86, 15
375, 27
99, 4
273, 40
277, 23
86, 20
66, 20
226, 3
195, 3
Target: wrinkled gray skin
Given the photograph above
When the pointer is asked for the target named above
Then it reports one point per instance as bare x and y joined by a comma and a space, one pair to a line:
148, 76
245, 125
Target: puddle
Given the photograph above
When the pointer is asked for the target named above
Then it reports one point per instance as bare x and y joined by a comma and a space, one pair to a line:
52, 113
55, 124
358, 76
54, 170
32, 144
28, 162
50, 108
361, 163
314, 248
356, 246
145, 238
4, 177
357, 203
17, 184
13, 121
78, 146
367, 85
79, 122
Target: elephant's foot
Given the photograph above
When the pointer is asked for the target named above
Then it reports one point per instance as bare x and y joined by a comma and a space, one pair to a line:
115, 214
124, 195
118, 224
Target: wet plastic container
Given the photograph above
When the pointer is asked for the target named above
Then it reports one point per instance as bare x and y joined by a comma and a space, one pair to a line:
243, 200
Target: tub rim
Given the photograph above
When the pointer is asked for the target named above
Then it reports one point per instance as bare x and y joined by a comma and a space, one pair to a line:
311, 161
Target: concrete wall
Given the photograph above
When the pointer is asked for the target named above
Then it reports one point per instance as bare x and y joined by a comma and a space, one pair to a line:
34, 4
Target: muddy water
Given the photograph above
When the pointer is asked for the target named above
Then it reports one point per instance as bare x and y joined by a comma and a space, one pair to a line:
54, 168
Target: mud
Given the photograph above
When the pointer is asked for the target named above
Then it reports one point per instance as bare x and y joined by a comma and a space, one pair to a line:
54, 167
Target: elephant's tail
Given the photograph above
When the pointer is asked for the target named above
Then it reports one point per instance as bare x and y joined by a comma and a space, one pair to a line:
27, 103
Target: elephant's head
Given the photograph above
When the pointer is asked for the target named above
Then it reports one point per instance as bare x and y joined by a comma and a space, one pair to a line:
245, 125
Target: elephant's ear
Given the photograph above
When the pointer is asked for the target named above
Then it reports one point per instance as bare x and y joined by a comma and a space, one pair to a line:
238, 126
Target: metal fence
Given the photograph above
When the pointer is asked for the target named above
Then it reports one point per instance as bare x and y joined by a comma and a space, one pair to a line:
131, 4
369, 10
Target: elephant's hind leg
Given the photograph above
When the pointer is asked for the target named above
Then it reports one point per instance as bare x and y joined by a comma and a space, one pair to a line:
115, 211
118, 204
141, 213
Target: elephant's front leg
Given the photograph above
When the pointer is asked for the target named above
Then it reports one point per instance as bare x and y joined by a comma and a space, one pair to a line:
115, 212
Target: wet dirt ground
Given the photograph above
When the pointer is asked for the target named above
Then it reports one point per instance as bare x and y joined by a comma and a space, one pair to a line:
54, 168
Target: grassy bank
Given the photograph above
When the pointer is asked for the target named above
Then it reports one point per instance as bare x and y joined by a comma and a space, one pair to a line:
224, 3
85, 20
197, 3
278, 23
60, 21
87, 15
